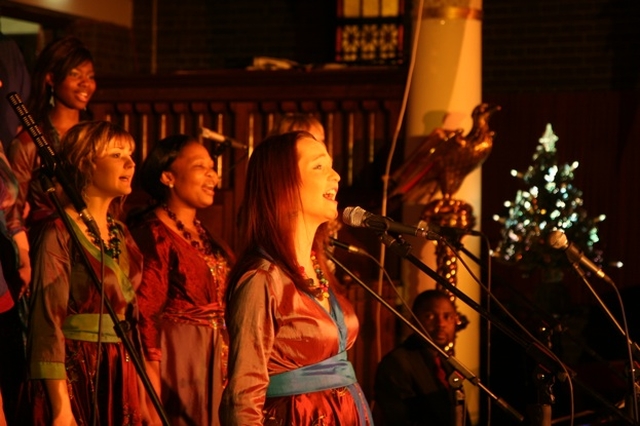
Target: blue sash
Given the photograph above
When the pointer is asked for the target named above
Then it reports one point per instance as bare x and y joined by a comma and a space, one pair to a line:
331, 373
334, 372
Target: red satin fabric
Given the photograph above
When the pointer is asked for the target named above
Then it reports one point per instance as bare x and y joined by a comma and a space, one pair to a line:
119, 391
25, 164
177, 283
274, 327
182, 322
63, 287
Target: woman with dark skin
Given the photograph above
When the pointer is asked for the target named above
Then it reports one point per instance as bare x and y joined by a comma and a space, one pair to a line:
62, 84
182, 304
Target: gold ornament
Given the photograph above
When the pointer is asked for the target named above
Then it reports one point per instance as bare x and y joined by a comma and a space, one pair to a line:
441, 163
444, 159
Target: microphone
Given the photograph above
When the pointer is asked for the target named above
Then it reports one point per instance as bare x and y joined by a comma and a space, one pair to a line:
224, 141
344, 246
51, 161
360, 218
558, 240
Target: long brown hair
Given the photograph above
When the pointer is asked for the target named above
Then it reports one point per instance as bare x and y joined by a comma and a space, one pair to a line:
270, 206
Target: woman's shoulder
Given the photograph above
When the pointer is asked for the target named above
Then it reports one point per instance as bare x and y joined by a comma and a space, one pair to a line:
150, 233
261, 273
23, 137
21, 146
53, 225
261, 269
51, 233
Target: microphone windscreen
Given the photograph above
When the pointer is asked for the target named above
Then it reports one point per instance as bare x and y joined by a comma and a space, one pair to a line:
210, 134
558, 240
353, 216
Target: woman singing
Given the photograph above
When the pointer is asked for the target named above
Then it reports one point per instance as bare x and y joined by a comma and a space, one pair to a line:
184, 281
66, 309
289, 326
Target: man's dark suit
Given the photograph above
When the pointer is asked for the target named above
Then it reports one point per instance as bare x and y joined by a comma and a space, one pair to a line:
407, 391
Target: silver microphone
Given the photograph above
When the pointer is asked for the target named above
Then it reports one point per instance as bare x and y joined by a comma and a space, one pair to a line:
360, 218
221, 139
558, 240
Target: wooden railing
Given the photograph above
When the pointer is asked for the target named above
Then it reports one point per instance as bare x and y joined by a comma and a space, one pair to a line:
358, 108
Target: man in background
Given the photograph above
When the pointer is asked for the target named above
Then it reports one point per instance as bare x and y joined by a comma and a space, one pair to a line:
412, 381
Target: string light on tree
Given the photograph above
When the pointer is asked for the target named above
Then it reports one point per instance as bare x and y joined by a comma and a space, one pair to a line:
550, 201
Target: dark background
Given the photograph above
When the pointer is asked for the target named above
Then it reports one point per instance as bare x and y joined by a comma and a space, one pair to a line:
572, 63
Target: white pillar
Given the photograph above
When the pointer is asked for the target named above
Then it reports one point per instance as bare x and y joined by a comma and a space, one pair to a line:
446, 86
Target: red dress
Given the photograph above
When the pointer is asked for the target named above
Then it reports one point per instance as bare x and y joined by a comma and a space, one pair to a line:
182, 322
65, 309
276, 328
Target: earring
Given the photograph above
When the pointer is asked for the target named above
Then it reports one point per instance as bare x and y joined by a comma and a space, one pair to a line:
171, 186
52, 98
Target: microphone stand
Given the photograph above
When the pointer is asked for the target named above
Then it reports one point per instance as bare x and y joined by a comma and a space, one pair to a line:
555, 324
533, 348
120, 327
539, 413
632, 348
463, 371
456, 243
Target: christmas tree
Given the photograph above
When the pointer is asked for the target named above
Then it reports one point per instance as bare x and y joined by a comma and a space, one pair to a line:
551, 202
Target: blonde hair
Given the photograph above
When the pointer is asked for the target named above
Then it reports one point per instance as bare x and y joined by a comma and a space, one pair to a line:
86, 141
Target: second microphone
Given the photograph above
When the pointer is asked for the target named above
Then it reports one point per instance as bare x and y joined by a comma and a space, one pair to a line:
360, 218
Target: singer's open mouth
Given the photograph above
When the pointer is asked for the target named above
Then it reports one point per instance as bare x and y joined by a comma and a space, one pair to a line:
330, 195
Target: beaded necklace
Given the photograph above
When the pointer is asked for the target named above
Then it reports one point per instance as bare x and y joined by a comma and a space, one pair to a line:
112, 248
205, 250
319, 290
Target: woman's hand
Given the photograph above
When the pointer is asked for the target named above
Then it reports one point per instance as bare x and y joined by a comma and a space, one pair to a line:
60, 403
64, 419
24, 270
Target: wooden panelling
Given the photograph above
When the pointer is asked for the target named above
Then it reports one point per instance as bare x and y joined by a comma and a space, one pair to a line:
354, 107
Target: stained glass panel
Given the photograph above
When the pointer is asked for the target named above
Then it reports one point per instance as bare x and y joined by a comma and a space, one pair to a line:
370, 32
